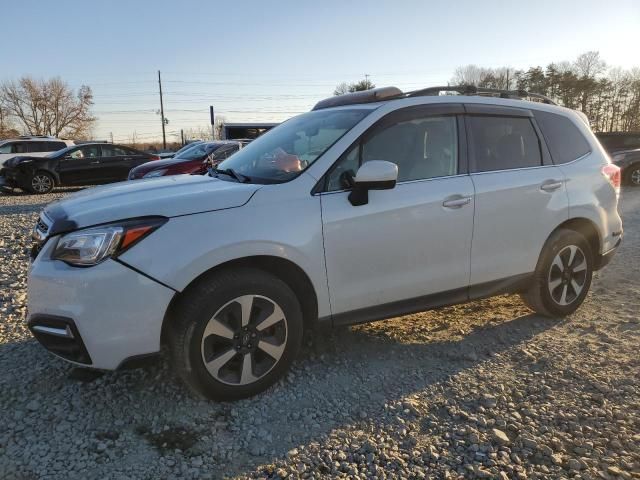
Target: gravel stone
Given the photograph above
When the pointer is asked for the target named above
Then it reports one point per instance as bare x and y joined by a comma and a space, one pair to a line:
481, 390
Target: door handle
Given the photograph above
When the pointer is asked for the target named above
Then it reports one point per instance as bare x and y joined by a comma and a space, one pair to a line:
551, 185
457, 202
95, 162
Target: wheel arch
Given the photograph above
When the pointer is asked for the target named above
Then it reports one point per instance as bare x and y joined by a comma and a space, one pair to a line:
286, 270
54, 175
585, 227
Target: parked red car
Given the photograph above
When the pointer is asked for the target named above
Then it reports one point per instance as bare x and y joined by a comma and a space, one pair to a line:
194, 160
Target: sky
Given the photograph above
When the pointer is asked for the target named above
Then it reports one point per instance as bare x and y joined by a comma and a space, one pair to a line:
267, 61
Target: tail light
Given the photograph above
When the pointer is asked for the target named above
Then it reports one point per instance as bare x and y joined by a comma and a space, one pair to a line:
612, 173
154, 157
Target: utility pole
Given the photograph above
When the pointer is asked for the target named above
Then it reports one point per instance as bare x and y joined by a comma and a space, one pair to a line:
111, 135
182, 136
213, 123
507, 79
164, 137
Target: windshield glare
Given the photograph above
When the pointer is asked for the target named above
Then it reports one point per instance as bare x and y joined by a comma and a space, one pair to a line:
198, 151
290, 148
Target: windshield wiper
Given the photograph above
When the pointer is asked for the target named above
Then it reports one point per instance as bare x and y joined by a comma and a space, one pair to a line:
233, 174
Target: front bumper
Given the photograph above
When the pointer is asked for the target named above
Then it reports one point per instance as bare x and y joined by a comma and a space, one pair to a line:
113, 312
13, 178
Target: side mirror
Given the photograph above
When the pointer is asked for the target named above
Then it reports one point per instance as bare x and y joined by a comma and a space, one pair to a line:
373, 175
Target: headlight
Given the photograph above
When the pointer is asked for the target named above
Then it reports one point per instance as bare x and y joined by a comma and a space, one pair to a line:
155, 173
91, 246
618, 158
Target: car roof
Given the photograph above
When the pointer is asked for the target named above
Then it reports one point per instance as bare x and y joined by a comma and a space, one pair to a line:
34, 139
451, 94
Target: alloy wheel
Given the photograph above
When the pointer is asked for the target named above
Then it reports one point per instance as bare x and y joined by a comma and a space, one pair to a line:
244, 340
41, 183
635, 176
567, 275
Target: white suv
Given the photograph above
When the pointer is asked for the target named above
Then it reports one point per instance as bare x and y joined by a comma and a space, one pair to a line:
34, 146
373, 205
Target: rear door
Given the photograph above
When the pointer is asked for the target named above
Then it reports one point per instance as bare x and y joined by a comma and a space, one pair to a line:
81, 166
117, 161
134, 158
520, 196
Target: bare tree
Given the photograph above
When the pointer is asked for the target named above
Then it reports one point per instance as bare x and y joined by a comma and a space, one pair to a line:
7, 128
48, 107
590, 64
360, 86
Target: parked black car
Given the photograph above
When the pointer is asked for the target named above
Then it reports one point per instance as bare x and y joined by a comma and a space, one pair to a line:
86, 164
616, 141
629, 163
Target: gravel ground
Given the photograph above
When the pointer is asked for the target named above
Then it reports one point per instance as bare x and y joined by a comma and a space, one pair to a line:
484, 390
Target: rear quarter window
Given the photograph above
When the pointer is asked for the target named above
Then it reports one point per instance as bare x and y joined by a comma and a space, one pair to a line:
565, 141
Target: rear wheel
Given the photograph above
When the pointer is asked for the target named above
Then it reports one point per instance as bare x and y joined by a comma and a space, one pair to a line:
236, 334
41, 182
632, 175
563, 275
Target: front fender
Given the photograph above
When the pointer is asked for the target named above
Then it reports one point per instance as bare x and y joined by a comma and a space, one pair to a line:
188, 246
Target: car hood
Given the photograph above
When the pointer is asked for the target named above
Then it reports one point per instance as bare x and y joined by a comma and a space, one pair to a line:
11, 162
163, 196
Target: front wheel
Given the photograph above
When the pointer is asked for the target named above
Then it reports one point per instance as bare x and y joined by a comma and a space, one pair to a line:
235, 334
41, 182
563, 275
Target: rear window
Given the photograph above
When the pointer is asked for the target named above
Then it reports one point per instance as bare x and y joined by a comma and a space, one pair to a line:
564, 139
503, 143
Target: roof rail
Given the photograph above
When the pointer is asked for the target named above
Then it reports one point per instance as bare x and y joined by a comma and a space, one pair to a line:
365, 96
473, 90
390, 93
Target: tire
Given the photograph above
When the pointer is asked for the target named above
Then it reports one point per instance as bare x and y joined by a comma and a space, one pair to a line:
229, 362
632, 175
563, 275
41, 182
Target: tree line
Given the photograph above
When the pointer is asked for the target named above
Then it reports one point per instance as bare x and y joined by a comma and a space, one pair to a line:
610, 97
45, 107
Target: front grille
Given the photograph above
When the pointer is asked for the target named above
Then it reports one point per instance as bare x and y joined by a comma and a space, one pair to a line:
39, 236
60, 336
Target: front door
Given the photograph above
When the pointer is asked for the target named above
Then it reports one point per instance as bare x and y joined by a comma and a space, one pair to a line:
80, 166
408, 243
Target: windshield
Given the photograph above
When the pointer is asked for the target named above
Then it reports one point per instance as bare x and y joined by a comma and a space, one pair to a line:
188, 146
198, 151
290, 148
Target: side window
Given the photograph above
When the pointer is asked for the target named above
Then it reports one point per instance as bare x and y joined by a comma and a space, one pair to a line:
90, 151
348, 164
121, 152
503, 143
55, 146
108, 151
564, 139
20, 147
113, 151
35, 147
6, 148
129, 152
422, 148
